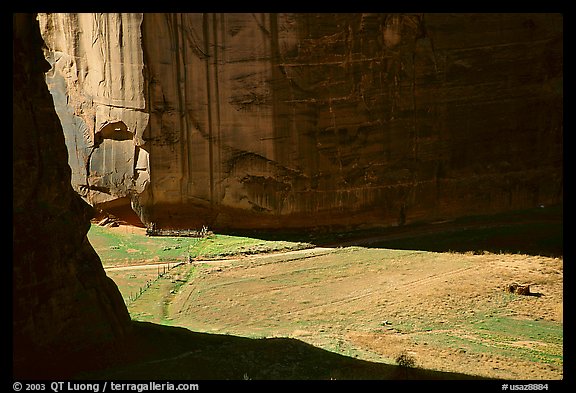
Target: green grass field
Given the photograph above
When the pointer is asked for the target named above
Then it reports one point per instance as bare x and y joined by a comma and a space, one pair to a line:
132, 247
117, 247
124, 247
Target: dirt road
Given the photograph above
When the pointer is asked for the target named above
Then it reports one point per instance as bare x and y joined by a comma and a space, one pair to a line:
160, 265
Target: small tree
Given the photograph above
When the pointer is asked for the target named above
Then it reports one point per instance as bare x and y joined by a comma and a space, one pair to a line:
405, 361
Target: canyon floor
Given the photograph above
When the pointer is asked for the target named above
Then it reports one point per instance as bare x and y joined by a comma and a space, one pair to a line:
367, 299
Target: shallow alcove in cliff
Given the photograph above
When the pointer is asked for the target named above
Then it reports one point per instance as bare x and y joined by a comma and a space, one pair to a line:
121, 208
114, 130
110, 185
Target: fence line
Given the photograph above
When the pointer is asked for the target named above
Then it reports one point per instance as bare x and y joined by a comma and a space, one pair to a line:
134, 296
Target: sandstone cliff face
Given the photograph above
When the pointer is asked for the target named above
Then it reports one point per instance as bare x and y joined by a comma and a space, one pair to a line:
307, 120
66, 313
97, 84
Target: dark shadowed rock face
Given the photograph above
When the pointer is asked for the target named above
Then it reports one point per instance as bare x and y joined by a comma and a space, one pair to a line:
307, 120
67, 315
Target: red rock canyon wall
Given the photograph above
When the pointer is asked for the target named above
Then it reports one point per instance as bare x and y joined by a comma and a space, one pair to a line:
308, 120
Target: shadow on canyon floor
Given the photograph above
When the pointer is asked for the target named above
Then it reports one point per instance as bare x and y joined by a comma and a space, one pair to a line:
537, 231
173, 353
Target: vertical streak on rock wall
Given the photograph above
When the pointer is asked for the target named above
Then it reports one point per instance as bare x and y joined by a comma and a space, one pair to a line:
208, 85
280, 89
168, 135
211, 96
179, 56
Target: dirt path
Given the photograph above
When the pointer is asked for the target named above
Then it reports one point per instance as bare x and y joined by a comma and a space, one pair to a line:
217, 262
159, 265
